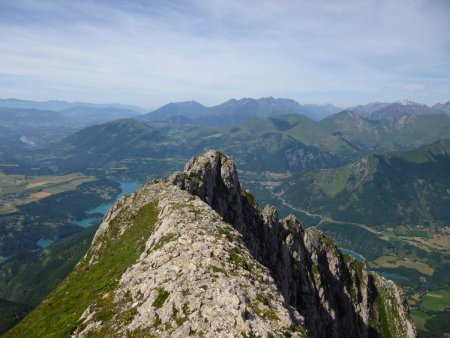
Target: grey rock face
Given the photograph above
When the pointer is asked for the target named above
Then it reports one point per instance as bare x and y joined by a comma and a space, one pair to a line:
213, 177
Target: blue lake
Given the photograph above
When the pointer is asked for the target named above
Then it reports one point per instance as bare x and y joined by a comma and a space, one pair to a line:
391, 275
359, 258
3, 260
43, 243
86, 221
127, 188
355, 255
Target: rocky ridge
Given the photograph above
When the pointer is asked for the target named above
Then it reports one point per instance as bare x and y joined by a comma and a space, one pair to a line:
210, 263
336, 295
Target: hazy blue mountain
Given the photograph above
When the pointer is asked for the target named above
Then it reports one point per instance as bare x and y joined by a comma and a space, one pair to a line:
401, 108
36, 126
15, 116
60, 105
8, 134
10, 146
42, 126
443, 107
27, 104
179, 120
188, 109
228, 113
320, 111
366, 109
87, 115
235, 111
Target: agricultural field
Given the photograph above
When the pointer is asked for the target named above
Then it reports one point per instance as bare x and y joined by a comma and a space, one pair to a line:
396, 262
18, 190
42, 209
436, 300
432, 312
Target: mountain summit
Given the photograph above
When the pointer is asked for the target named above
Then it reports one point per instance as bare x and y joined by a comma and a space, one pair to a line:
402, 108
235, 111
194, 256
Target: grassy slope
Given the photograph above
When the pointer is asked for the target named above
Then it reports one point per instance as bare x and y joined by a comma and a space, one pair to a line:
384, 135
58, 315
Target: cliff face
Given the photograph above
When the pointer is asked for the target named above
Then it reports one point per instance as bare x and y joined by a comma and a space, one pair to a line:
193, 256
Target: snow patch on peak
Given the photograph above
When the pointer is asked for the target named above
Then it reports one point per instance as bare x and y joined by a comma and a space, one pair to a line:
405, 102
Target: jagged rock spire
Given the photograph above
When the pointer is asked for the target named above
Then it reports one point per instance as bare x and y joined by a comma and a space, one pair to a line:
214, 178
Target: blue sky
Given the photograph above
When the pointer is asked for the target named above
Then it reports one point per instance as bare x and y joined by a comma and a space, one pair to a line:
151, 52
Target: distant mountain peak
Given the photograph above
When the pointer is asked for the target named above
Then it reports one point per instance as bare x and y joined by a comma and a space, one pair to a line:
406, 102
443, 107
185, 102
401, 108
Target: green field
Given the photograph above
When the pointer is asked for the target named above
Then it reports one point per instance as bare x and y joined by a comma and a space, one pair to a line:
420, 318
436, 300
19, 189
402, 230
395, 262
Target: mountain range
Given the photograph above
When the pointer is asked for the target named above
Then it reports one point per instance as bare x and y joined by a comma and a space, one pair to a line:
44, 122
236, 111
369, 108
56, 105
444, 107
40, 126
10, 146
402, 108
291, 143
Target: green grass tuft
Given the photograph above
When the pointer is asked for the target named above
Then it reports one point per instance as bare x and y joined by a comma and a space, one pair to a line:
160, 298
262, 299
250, 198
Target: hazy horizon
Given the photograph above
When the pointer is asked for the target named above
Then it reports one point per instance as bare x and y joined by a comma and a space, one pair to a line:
150, 53
150, 109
